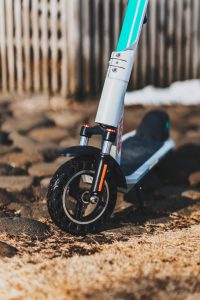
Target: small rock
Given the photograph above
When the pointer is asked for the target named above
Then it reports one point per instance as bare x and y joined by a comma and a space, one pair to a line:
4, 139
20, 159
68, 142
22, 124
3, 214
194, 178
21, 209
45, 169
48, 150
33, 105
5, 149
5, 198
195, 296
42, 169
15, 183
67, 119
193, 195
52, 134
45, 182
23, 142
7, 250
50, 154
23, 226
57, 103
7, 170
39, 211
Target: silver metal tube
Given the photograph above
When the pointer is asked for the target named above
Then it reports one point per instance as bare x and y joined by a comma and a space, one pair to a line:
84, 141
106, 147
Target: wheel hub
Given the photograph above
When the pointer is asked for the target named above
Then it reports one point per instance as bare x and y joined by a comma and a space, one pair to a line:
85, 197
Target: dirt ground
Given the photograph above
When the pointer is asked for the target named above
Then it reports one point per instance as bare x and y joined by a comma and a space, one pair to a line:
149, 255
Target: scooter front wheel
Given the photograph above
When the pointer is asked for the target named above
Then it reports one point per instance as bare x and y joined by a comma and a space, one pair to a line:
68, 198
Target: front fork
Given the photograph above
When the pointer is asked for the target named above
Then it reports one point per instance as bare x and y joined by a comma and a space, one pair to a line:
108, 138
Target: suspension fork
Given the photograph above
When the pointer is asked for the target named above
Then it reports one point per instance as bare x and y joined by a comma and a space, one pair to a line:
108, 139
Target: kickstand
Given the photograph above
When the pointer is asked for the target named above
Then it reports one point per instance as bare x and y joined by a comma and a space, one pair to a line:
138, 190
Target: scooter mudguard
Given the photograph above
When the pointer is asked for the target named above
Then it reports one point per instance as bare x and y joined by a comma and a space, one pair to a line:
90, 151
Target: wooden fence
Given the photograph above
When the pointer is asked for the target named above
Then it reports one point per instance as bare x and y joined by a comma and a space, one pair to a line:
63, 46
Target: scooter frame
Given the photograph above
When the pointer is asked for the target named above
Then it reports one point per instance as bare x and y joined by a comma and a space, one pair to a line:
109, 118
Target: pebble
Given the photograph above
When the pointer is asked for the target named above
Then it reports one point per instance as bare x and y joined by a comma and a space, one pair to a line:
46, 169
34, 105
51, 134
23, 210
45, 182
5, 198
193, 195
15, 183
69, 142
8, 170
48, 150
194, 178
23, 142
7, 250
4, 139
23, 226
40, 211
20, 159
58, 103
23, 124
67, 119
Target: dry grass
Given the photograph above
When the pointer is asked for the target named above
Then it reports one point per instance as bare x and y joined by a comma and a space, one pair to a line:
161, 266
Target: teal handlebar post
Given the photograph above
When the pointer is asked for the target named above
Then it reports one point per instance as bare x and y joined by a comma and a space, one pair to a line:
132, 24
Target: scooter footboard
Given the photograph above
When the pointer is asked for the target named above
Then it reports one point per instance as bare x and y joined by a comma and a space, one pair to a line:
143, 148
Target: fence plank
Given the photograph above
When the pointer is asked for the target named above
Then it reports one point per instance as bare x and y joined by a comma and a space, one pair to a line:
19, 45
195, 41
64, 65
36, 45
86, 45
26, 42
44, 44
3, 47
97, 46
53, 44
106, 48
73, 40
10, 49
169, 46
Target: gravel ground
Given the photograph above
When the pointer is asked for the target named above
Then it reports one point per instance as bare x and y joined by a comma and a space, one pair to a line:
150, 255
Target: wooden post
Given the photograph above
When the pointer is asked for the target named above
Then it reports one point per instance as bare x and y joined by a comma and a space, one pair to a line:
64, 48
19, 45
36, 46
73, 41
26, 42
10, 48
3, 46
44, 44
54, 44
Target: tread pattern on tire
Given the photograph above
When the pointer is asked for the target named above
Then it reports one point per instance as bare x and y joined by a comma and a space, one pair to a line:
56, 189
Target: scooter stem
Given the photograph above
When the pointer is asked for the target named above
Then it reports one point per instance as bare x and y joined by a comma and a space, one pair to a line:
111, 106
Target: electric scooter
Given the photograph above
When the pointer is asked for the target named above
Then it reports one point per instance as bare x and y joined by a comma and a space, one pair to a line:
82, 193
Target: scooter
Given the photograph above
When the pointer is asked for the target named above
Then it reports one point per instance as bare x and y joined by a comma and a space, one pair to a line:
82, 193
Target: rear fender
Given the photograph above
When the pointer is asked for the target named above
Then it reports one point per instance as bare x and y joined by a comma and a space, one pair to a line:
114, 167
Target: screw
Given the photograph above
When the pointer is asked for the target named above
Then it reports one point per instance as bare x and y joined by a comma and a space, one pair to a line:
118, 54
94, 199
114, 70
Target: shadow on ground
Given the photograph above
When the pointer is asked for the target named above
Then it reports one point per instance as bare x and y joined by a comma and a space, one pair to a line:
171, 190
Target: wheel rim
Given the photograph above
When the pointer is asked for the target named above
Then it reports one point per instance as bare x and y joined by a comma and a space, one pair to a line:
75, 203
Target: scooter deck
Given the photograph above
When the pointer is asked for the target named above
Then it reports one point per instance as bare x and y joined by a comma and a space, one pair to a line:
145, 147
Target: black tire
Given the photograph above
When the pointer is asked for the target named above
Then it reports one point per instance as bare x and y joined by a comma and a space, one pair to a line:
63, 184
